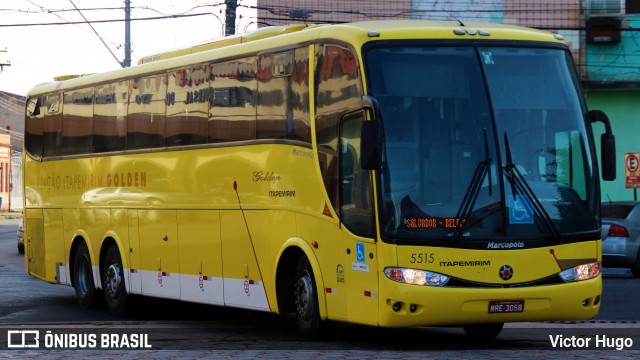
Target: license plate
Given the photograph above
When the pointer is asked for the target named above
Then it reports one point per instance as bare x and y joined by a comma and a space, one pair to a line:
506, 306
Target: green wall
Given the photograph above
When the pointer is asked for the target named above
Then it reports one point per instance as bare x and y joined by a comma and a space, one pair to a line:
623, 109
618, 61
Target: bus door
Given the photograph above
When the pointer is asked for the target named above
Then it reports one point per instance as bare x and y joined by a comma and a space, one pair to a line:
358, 234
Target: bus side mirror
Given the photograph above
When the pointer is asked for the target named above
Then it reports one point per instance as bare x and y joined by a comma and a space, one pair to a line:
608, 155
371, 136
607, 145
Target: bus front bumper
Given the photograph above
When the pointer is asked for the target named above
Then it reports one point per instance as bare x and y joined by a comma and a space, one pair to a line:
405, 305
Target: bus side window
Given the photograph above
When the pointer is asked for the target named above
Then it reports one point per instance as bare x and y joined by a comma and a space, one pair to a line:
232, 103
52, 132
356, 197
283, 96
110, 117
338, 92
77, 122
146, 118
34, 126
187, 106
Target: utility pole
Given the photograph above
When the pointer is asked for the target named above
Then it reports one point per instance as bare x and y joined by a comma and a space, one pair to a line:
127, 34
230, 17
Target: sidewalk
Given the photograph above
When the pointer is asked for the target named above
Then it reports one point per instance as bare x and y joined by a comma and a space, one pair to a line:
11, 215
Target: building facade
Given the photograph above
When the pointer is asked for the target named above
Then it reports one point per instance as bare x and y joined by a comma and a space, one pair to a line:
5, 171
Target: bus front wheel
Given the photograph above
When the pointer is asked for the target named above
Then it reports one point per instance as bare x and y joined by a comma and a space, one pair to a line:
305, 294
83, 284
113, 282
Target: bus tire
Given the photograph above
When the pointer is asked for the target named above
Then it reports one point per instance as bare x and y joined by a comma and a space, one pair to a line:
86, 292
115, 292
305, 297
483, 331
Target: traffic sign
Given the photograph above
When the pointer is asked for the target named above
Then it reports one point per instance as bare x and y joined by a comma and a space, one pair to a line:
632, 170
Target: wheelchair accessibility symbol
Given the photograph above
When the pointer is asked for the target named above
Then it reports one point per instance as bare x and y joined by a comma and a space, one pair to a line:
520, 210
360, 252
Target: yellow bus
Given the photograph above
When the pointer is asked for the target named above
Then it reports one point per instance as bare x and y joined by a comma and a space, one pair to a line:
387, 173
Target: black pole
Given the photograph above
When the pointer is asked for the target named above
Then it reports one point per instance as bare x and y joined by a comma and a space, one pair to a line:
127, 34
230, 17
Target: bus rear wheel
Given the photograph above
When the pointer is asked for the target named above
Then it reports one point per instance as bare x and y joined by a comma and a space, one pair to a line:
305, 295
83, 284
113, 282
483, 331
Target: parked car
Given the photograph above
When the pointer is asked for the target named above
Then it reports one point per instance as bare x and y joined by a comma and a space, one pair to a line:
621, 235
20, 236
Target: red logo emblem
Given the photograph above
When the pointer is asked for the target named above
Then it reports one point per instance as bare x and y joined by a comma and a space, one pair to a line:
506, 272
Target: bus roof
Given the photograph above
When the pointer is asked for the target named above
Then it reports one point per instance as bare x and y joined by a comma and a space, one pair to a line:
356, 33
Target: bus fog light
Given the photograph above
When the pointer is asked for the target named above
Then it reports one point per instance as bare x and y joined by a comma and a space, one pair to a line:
416, 276
396, 306
582, 272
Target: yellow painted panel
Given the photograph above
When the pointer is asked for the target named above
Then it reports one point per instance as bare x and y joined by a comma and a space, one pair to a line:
54, 242
34, 243
158, 240
361, 269
159, 257
199, 242
237, 246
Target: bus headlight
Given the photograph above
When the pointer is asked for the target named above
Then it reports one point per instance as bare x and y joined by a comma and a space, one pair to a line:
416, 277
582, 272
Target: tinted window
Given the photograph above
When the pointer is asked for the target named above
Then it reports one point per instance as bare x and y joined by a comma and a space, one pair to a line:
283, 96
34, 126
233, 106
77, 122
188, 97
339, 91
146, 120
110, 117
356, 207
52, 135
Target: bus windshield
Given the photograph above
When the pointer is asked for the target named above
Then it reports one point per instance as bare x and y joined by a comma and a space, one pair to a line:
482, 143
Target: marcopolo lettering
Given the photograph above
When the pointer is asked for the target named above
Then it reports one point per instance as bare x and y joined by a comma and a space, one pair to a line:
506, 245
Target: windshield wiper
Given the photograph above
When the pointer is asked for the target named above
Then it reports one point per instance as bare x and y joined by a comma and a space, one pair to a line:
520, 186
470, 197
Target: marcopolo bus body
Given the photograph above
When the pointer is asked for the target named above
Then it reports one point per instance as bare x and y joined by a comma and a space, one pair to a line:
395, 173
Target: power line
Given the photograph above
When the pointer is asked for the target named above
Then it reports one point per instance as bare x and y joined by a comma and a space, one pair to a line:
95, 32
106, 21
